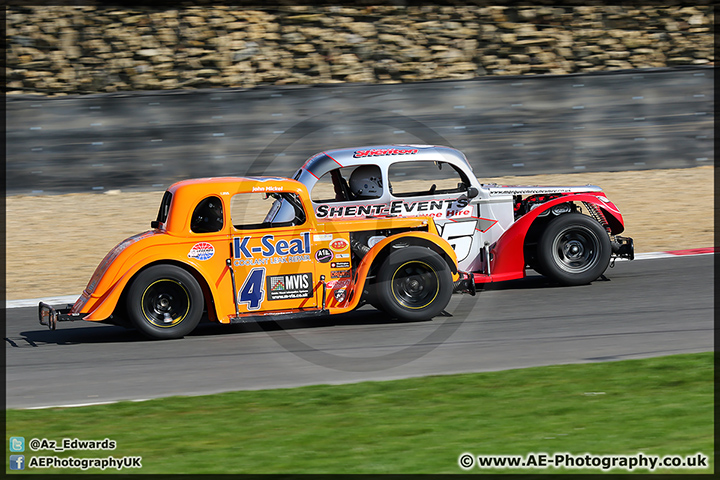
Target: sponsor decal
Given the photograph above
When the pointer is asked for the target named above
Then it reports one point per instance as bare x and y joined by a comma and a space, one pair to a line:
271, 188
528, 190
324, 255
342, 255
271, 251
339, 294
202, 251
285, 287
337, 284
339, 244
325, 237
340, 265
381, 152
341, 274
421, 208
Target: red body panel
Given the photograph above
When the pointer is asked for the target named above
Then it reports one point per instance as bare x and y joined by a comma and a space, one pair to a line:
507, 254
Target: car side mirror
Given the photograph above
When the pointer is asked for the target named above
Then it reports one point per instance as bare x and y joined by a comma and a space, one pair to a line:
473, 192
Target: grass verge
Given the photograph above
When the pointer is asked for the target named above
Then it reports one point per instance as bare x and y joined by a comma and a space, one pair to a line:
658, 406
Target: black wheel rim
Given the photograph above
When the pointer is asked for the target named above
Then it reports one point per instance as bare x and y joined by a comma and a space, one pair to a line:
165, 303
415, 285
576, 249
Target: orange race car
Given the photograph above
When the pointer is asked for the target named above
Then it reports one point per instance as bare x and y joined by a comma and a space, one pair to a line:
251, 249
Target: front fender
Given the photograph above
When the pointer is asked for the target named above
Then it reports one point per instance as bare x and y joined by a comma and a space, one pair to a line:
430, 240
380, 251
508, 256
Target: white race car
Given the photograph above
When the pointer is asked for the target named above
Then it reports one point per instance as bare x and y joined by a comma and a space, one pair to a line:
569, 234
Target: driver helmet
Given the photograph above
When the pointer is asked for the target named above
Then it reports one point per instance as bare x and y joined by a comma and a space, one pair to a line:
366, 182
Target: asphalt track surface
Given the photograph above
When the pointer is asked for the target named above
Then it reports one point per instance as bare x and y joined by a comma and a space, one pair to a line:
646, 308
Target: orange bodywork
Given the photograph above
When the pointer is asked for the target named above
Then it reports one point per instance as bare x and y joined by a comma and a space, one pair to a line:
264, 260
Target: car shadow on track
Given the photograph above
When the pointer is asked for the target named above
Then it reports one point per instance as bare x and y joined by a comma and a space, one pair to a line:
73, 336
84, 333
87, 333
530, 282
364, 316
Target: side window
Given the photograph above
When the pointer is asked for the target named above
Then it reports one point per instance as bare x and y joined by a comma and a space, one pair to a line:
207, 216
409, 179
164, 207
362, 182
264, 210
333, 186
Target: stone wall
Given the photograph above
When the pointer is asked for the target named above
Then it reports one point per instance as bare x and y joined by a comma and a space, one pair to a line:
59, 50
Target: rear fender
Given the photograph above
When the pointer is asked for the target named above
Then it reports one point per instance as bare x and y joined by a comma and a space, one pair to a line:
609, 211
100, 308
508, 259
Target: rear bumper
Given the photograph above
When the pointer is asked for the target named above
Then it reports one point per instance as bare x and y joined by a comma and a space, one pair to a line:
49, 316
623, 247
465, 284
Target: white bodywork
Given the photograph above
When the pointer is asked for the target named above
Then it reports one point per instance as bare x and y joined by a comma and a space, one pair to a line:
467, 222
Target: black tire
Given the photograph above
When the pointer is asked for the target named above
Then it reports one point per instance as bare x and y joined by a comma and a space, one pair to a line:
538, 269
574, 249
372, 298
413, 283
164, 302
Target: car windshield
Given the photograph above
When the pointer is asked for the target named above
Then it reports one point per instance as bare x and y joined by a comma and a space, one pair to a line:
286, 208
275, 209
280, 210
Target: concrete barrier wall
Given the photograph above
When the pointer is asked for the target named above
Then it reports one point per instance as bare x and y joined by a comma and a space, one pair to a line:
98, 47
620, 120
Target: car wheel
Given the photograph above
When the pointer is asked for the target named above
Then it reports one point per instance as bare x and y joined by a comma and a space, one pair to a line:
538, 269
164, 302
574, 249
371, 298
413, 283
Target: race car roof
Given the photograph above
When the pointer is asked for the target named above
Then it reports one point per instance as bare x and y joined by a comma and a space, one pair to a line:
383, 155
194, 189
